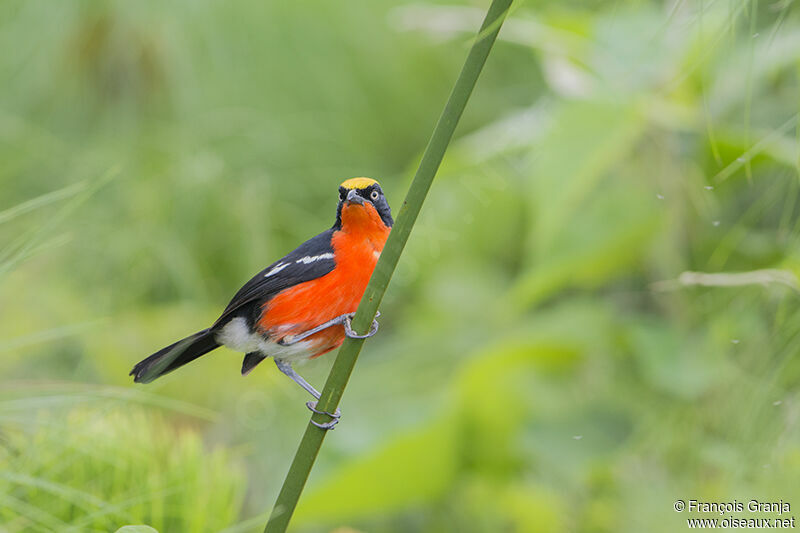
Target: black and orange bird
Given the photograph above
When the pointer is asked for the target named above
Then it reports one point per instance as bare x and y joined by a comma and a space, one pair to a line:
300, 306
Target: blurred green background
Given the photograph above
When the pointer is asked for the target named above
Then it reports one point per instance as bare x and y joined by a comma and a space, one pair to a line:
596, 315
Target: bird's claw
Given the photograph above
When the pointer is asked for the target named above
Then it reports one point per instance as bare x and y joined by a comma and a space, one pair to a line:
312, 406
348, 327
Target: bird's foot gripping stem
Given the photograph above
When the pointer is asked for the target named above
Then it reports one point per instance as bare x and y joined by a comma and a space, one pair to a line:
312, 406
345, 319
348, 327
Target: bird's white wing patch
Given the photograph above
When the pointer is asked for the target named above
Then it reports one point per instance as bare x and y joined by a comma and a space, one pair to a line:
277, 268
311, 258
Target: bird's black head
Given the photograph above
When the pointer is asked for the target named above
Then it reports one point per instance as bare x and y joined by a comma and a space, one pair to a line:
362, 191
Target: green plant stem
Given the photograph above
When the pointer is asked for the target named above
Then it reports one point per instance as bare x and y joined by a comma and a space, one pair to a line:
348, 354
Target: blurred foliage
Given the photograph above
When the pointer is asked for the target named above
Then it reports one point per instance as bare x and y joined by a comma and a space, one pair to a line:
94, 469
547, 360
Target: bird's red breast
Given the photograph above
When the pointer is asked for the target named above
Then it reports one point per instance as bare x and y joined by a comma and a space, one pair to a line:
356, 248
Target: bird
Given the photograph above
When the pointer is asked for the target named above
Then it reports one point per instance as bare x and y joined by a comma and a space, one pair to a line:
300, 306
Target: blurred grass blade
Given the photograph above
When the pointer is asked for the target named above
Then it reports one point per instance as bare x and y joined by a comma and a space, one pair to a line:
22, 248
763, 277
348, 353
47, 335
41, 201
79, 498
50, 396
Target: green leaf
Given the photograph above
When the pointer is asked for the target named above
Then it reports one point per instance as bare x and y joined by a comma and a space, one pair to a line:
601, 241
409, 469
136, 529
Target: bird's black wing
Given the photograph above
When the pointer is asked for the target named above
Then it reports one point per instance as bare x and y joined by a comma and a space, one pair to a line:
311, 260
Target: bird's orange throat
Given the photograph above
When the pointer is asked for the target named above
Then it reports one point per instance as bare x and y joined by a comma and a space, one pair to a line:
357, 246
364, 222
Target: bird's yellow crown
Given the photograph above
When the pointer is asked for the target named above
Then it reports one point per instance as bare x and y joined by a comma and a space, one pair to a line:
358, 183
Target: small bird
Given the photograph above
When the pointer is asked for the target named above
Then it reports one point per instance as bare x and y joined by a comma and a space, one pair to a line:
300, 306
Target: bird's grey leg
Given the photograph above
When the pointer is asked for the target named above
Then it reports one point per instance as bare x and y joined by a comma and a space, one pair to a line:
287, 369
288, 340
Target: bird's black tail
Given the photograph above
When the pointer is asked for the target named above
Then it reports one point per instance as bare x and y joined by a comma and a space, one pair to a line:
173, 356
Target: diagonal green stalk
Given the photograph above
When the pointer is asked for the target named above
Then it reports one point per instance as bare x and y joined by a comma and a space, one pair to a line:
348, 354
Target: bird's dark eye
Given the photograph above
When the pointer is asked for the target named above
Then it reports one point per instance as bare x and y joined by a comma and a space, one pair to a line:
374, 195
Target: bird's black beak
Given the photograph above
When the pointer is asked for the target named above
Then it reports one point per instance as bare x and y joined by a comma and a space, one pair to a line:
354, 198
